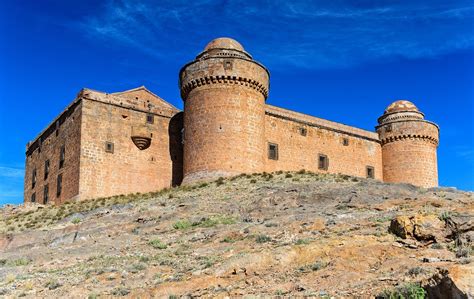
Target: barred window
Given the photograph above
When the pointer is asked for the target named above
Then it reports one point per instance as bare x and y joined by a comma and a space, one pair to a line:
59, 185
45, 194
33, 178
323, 162
150, 118
109, 147
33, 197
62, 156
46, 169
370, 172
273, 151
345, 141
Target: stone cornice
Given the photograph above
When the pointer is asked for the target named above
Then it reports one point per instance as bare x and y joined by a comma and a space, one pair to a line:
403, 137
313, 124
186, 88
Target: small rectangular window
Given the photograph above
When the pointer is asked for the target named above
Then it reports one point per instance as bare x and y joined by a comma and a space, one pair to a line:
345, 141
45, 194
59, 185
370, 172
33, 178
323, 162
150, 118
46, 169
303, 131
273, 151
109, 147
388, 128
33, 197
62, 156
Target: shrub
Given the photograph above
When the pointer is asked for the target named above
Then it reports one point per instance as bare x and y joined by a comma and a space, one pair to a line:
415, 271
437, 246
262, 239
288, 175
53, 284
410, 290
203, 185
253, 181
302, 242
302, 171
220, 181
444, 216
313, 267
76, 220
463, 252
120, 291
156, 243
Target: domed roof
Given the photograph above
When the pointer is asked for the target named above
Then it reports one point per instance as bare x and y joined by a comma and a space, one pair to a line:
401, 105
224, 43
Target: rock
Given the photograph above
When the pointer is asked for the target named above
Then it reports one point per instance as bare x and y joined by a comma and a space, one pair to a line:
441, 285
419, 227
401, 226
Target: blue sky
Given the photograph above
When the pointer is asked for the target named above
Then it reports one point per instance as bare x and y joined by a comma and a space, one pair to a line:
340, 60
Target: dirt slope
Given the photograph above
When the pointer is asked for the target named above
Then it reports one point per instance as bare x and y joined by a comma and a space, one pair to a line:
281, 234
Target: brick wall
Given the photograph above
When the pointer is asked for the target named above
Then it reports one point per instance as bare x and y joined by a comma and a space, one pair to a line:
64, 131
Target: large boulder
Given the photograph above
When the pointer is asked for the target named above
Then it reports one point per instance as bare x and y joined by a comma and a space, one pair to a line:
419, 227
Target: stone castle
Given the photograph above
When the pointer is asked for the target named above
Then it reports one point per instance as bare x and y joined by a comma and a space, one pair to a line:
105, 144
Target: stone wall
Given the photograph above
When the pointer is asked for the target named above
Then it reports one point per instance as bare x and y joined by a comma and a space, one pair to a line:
409, 152
224, 102
302, 138
115, 119
64, 131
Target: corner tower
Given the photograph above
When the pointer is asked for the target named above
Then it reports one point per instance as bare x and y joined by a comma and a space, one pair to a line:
409, 145
224, 92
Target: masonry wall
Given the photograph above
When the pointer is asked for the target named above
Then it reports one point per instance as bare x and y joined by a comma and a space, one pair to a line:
127, 169
296, 152
64, 131
409, 152
224, 117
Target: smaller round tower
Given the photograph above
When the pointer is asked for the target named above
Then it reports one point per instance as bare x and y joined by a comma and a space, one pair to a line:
409, 144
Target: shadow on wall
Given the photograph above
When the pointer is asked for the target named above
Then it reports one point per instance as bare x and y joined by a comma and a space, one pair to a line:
176, 148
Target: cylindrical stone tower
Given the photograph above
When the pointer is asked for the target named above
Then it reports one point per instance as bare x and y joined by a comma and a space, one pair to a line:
409, 145
224, 92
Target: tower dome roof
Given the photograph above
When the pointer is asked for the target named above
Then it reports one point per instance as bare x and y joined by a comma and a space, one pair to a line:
401, 106
224, 43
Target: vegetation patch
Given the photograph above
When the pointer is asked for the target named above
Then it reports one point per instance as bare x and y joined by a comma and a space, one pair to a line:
158, 244
410, 290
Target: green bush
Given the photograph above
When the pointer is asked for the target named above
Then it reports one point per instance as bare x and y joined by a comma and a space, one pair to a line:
156, 243
262, 239
410, 290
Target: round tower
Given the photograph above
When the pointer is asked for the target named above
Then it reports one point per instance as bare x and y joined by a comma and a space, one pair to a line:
409, 145
224, 92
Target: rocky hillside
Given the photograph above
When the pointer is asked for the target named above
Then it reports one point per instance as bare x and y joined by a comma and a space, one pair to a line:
280, 234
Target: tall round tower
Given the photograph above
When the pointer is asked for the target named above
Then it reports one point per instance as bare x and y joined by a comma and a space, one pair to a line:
224, 92
408, 145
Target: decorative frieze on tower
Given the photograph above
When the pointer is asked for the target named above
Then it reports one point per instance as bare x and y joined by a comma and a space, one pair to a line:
224, 92
409, 144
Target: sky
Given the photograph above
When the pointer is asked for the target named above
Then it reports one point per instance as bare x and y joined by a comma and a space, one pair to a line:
345, 61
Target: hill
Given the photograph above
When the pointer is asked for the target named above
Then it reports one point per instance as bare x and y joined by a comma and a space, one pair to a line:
288, 234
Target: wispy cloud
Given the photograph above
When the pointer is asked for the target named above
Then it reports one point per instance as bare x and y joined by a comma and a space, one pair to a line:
289, 33
10, 172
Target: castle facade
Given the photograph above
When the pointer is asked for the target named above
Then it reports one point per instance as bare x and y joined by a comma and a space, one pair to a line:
133, 141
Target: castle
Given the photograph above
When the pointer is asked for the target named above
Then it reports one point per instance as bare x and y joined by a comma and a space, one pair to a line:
133, 141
